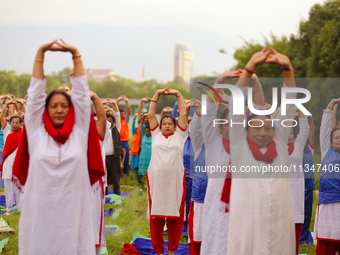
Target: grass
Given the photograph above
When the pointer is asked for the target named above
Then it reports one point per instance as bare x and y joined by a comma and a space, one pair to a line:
132, 218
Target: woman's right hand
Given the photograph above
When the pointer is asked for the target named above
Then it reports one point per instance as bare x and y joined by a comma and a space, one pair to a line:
162, 91
258, 58
52, 46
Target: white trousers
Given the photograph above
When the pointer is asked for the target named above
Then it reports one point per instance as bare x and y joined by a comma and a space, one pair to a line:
98, 250
12, 194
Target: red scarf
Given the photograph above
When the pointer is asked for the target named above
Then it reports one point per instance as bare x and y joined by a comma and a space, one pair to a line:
268, 157
227, 182
94, 157
291, 149
11, 144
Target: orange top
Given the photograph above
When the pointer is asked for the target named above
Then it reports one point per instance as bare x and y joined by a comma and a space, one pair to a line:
124, 131
136, 141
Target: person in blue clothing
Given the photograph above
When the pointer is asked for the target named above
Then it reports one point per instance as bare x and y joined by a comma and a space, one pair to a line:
327, 224
145, 152
308, 164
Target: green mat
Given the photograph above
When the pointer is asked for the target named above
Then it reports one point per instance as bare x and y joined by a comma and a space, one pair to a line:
3, 243
138, 235
4, 226
116, 213
115, 198
104, 251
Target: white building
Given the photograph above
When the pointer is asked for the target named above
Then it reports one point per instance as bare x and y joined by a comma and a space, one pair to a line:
100, 74
183, 63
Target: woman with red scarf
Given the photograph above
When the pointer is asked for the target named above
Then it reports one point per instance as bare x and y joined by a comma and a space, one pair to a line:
12, 134
58, 161
261, 208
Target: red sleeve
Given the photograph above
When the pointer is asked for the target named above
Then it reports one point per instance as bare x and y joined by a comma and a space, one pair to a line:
180, 127
153, 129
312, 146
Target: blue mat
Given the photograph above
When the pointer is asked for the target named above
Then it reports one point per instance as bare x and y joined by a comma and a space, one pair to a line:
3, 201
122, 194
110, 229
144, 245
108, 212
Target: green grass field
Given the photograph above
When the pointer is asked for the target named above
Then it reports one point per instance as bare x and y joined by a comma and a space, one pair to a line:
132, 218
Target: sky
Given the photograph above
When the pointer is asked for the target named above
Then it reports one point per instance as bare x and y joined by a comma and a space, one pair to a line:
247, 19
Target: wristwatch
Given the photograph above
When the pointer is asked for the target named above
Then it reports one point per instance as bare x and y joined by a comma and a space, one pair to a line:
178, 95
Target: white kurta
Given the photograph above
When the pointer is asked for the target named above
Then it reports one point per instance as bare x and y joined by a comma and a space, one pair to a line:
215, 219
98, 199
12, 193
166, 173
296, 175
197, 143
261, 209
8, 164
326, 225
57, 210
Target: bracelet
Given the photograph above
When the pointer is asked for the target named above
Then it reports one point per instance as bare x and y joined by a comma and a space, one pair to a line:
154, 101
39, 60
77, 60
251, 72
178, 95
77, 56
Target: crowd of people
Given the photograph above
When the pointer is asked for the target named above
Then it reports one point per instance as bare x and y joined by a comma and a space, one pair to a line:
56, 150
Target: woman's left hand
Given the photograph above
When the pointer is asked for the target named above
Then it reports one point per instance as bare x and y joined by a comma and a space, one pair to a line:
278, 59
63, 46
171, 92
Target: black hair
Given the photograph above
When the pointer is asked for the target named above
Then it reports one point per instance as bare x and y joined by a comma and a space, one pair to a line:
147, 126
167, 116
94, 113
224, 115
57, 92
108, 115
16, 116
335, 129
251, 116
121, 110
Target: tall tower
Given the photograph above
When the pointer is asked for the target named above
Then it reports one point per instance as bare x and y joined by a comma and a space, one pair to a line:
183, 63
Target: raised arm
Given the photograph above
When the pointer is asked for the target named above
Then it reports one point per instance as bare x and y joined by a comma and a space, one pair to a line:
101, 115
182, 119
311, 132
128, 108
335, 108
140, 106
80, 88
2, 115
153, 107
326, 127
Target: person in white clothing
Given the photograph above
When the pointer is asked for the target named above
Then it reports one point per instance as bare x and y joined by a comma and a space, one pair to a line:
12, 132
261, 209
166, 174
62, 142
103, 127
296, 175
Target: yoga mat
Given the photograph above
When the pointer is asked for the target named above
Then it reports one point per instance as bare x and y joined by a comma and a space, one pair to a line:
144, 245
113, 198
3, 243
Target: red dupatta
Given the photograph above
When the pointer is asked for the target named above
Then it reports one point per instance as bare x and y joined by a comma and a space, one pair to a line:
227, 182
95, 161
11, 144
291, 149
268, 157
